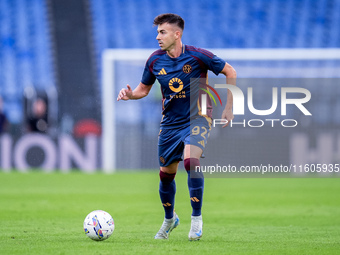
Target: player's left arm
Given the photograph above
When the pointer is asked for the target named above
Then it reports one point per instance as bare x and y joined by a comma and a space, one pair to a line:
230, 74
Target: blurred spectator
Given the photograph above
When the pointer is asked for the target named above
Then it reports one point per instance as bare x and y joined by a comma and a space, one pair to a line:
3, 119
37, 120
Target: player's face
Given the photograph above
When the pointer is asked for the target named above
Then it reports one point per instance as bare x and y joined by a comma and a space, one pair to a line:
167, 36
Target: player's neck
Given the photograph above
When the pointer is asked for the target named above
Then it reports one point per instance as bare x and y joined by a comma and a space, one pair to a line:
176, 51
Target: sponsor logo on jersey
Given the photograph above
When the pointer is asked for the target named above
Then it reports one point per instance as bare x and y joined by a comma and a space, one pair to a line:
175, 84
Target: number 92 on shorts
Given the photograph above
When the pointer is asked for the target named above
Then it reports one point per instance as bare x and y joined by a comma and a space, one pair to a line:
171, 142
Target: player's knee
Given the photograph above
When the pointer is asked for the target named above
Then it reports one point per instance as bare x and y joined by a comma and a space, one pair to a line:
165, 177
191, 164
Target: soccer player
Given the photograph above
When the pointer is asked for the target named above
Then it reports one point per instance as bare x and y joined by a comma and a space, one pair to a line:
183, 128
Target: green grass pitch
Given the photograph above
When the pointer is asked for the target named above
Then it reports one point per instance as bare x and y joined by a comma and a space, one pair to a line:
43, 214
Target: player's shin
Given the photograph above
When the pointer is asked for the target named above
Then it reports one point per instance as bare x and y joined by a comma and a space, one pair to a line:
195, 184
167, 191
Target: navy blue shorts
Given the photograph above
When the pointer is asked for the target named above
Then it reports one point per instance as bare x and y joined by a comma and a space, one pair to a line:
171, 142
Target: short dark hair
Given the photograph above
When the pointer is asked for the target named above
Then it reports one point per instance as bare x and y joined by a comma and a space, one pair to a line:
170, 18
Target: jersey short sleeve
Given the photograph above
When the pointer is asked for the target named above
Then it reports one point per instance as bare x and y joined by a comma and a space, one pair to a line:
148, 77
216, 64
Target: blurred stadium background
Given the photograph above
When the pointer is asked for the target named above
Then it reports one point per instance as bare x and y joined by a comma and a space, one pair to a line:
52, 50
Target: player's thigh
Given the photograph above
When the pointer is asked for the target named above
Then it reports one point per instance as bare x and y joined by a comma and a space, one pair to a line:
171, 146
192, 151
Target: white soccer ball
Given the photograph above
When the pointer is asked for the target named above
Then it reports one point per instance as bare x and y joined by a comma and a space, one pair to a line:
99, 225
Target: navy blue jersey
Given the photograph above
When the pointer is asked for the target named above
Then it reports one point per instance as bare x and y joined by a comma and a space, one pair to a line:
174, 76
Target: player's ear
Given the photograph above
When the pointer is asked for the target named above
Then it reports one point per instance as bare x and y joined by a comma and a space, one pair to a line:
178, 34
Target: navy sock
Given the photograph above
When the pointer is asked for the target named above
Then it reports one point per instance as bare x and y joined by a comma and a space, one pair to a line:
195, 184
167, 191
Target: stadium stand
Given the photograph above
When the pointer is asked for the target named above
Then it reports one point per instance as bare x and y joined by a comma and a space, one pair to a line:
239, 24
25, 52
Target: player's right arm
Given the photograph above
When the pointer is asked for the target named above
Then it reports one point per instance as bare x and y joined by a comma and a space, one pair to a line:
139, 92
144, 87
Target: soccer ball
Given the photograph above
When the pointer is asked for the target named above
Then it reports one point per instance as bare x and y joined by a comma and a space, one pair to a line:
99, 225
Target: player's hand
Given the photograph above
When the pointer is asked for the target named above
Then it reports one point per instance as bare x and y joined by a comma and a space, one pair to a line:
228, 115
125, 94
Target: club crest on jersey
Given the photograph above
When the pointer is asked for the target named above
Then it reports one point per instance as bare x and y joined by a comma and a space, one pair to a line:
175, 84
187, 68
